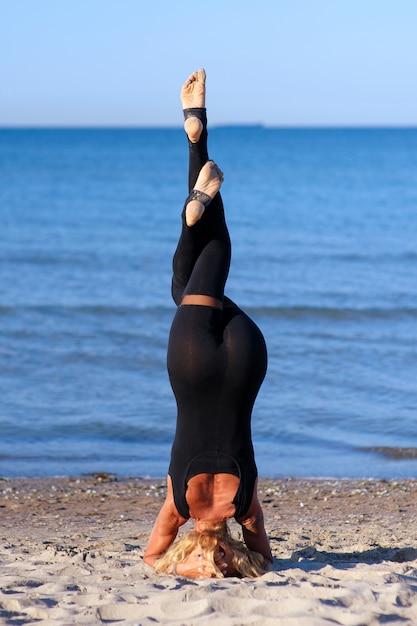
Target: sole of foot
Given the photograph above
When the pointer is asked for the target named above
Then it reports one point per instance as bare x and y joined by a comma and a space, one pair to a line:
209, 181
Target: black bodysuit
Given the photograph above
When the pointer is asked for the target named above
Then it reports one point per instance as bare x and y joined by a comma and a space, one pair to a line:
216, 358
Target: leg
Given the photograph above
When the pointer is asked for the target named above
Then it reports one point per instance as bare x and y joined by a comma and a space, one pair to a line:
193, 100
202, 258
196, 235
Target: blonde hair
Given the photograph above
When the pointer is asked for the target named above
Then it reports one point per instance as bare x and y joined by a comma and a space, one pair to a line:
245, 562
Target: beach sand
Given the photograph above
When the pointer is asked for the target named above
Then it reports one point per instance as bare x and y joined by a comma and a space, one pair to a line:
71, 553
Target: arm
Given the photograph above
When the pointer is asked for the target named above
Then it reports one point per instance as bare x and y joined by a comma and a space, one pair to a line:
253, 529
165, 528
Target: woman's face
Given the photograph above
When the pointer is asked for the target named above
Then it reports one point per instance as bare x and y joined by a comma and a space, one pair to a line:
196, 566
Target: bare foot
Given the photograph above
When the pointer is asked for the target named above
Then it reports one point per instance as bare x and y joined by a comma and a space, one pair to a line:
209, 182
193, 92
193, 95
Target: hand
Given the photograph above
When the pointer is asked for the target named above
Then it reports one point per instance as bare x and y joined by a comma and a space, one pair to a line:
195, 566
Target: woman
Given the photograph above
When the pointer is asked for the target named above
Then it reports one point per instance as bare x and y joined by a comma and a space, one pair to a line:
216, 363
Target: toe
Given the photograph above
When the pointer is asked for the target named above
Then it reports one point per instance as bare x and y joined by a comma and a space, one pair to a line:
201, 75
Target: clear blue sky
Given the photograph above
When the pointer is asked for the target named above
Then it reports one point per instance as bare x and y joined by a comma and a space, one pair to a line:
278, 62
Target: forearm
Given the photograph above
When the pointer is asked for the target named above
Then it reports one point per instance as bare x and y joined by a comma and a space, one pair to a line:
254, 534
163, 533
159, 542
257, 542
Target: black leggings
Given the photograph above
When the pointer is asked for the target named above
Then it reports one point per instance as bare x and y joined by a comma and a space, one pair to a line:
216, 358
202, 259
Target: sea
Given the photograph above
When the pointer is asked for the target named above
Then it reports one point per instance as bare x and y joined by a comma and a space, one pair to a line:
323, 225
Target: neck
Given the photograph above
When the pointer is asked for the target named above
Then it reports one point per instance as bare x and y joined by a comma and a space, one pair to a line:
204, 524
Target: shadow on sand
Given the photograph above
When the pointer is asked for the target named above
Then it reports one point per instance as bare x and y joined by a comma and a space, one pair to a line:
309, 558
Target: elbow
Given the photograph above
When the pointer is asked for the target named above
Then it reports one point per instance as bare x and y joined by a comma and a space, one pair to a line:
149, 559
253, 522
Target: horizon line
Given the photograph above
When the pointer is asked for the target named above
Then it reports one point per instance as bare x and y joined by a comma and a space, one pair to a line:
231, 125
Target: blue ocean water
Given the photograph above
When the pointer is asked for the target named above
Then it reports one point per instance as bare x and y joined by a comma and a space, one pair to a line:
324, 230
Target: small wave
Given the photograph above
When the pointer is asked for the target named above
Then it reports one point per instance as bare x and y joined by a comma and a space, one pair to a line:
304, 312
376, 258
45, 457
396, 453
54, 260
164, 312
273, 311
115, 431
87, 309
291, 312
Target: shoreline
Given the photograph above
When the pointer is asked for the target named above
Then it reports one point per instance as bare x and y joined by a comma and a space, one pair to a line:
71, 552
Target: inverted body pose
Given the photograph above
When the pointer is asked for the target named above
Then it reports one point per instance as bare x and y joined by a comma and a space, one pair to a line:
216, 362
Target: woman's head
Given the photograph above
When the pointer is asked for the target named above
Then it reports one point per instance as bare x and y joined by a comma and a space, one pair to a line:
211, 553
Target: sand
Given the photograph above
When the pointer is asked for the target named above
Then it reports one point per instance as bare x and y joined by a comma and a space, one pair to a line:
71, 553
